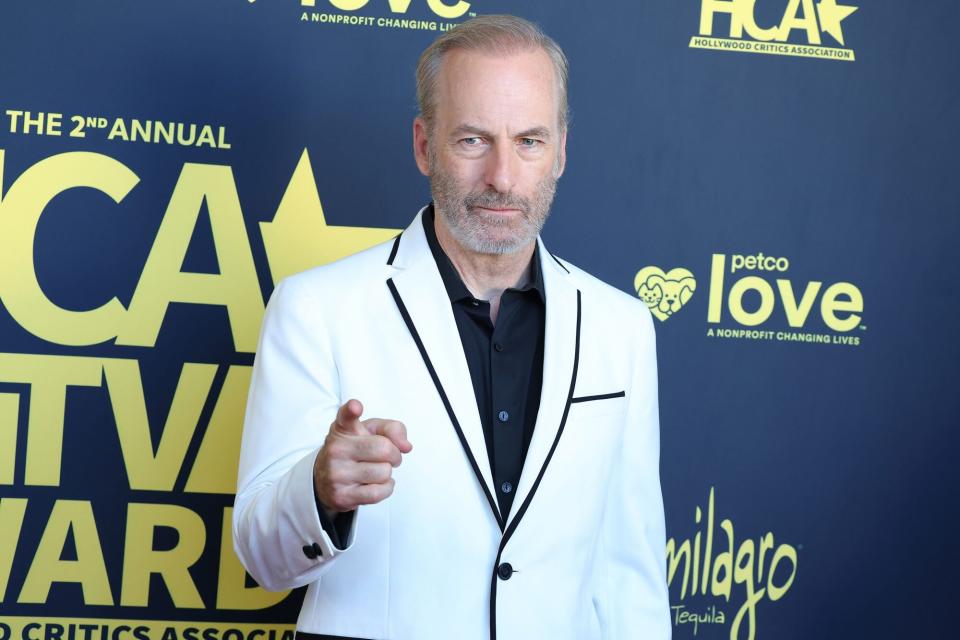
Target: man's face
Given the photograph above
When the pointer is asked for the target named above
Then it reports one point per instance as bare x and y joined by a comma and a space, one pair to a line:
495, 150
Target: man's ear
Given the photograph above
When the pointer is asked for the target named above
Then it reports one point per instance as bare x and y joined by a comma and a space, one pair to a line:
562, 154
420, 142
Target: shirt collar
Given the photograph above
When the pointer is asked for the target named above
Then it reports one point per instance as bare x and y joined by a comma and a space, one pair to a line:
452, 281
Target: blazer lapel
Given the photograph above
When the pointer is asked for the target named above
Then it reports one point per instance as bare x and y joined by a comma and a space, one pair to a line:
560, 353
422, 299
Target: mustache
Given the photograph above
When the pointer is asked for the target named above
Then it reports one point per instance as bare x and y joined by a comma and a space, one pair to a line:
491, 199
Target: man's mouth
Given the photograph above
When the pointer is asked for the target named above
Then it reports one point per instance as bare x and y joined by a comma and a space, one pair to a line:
500, 210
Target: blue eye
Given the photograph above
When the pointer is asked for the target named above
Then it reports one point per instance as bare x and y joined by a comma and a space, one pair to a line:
529, 142
471, 142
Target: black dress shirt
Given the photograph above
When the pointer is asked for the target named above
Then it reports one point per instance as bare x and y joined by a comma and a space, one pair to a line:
506, 368
505, 361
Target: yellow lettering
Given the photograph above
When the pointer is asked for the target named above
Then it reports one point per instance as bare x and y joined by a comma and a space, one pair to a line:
215, 468
766, 544
832, 303
88, 569
141, 560
808, 22
162, 282
48, 377
740, 314
784, 551
735, 8
9, 416
146, 469
696, 554
743, 574
746, 15
206, 137
119, 130
12, 511
716, 287
448, 11
797, 314
232, 592
20, 211
140, 130
348, 5
723, 562
708, 546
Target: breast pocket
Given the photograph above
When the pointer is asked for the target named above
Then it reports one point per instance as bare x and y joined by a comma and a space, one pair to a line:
597, 419
591, 440
597, 405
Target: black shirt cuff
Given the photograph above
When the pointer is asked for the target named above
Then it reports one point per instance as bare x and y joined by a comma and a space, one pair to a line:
337, 528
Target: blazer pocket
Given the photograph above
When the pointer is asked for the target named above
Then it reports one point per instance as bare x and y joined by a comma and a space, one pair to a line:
596, 406
598, 397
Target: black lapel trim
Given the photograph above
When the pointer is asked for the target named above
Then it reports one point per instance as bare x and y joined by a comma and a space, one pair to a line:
557, 260
393, 251
443, 396
602, 396
526, 503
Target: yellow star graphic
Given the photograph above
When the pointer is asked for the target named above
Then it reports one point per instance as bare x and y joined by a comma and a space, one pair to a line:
299, 237
831, 15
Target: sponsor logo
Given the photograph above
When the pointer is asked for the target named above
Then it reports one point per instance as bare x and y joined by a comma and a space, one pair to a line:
719, 575
49, 507
664, 293
751, 297
422, 15
799, 33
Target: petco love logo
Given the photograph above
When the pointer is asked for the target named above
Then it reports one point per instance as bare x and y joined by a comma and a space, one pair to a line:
753, 297
754, 303
664, 293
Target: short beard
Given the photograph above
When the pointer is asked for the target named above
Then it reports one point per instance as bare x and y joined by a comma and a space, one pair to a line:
482, 234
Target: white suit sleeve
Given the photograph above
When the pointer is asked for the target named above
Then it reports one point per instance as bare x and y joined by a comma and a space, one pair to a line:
294, 396
631, 598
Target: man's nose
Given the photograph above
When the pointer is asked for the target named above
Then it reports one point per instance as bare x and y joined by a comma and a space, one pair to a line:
501, 168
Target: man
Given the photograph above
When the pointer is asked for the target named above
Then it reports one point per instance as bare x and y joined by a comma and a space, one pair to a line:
518, 392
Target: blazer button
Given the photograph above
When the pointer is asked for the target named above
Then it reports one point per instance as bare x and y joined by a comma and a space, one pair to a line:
505, 571
309, 551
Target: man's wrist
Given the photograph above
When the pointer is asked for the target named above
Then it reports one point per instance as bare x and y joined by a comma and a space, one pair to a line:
336, 524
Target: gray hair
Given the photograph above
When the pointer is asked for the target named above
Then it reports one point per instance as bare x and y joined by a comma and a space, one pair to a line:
498, 34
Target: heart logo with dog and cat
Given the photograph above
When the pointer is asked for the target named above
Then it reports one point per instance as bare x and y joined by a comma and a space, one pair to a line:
664, 292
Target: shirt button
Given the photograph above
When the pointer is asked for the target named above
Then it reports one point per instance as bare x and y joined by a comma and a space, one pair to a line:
506, 487
505, 571
498, 346
504, 416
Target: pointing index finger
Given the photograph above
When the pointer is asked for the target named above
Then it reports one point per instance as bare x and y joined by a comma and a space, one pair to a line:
348, 416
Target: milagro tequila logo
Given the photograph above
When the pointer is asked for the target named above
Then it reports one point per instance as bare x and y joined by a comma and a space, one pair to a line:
799, 32
725, 575
423, 15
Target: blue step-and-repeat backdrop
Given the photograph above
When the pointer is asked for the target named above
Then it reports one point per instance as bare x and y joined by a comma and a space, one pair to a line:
777, 179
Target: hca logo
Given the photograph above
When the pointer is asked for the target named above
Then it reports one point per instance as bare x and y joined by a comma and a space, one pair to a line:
841, 303
448, 10
812, 21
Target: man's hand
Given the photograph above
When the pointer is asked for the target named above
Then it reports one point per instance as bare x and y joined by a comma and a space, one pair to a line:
355, 464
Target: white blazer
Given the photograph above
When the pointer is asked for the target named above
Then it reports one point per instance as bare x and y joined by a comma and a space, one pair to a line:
585, 538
